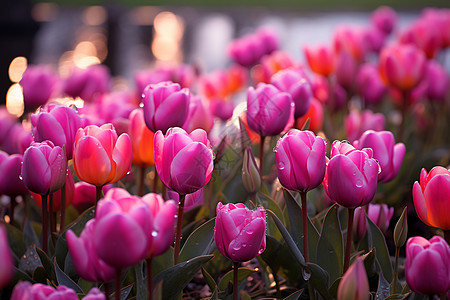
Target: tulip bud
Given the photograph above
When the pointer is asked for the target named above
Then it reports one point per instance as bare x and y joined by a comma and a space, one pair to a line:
381, 215
250, 172
354, 285
359, 225
401, 230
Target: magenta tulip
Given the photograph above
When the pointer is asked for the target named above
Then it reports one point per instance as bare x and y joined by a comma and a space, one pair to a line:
44, 168
268, 109
10, 172
427, 265
7, 122
369, 84
84, 195
38, 291
357, 122
88, 84
384, 18
192, 200
58, 124
200, 116
346, 70
438, 81
85, 259
359, 225
7, 265
240, 233
165, 105
351, 175
184, 162
300, 157
389, 155
354, 284
381, 215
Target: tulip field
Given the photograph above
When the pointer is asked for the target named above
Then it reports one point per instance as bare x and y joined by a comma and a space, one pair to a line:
272, 178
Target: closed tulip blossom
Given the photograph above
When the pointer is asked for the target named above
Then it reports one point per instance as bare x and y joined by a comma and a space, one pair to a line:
240, 233
321, 59
357, 122
84, 256
268, 109
388, 154
438, 81
384, 18
427, 265
360, 225
89, 83
381, 215
354, 284
431, 197
10, 172
7, 265
165, 105
100, 156
38, 291
369, 84
142, 139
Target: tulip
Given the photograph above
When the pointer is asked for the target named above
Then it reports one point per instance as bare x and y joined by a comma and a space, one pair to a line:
10, 171
69, 195
192, 200
250, 172
297, 85
388, 154
88, 84
431, 198
268, 109
221, 108
359, 225
332, 95
7, 265
240, 233
84, 195
18, 140
100, 157
384, 18
38, 85
115, 108
369, 84
357, 122
427, 265
321, 59
7, 122
271, 64
373, 39
165, 105
381, 215
85, 259
315, 116
438, 81
424, 35
350, 40
346, 69
58, 124
354, 284
200, 116
142, 139
94, 294
39, 291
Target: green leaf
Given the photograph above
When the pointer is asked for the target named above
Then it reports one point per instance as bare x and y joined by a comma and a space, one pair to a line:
141, 287
162, 262
124, 292
46, 262
334, 287
330, 249
29, 235
65, 280
200, 242
243, 273
177, 277
382, 253
209, 280
296, 227
30, 260
395, 297
295, 295
319, 280
383, 287
20, 275
244, 295
268, 203
15, 240
369, 263
39, 275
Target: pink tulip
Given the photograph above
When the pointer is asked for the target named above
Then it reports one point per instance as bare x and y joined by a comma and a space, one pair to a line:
388, 154
384, 18
7, 265
199, 116
300, 157
100, 157
94, 294
427, 265
184, 162
240, 233
271, 64
438, 18
346, 68
381, 215
357, 122
351, 175
370, 85
321, 59
438, 81
354, 284
18, 140
297, 85
10, 171
373, 39
350, 40
84, 195
58, 124
424, 35
39, 84
221, 108
7, 122
44, 168
122, 229
115, 108
268, 109
38, 291
165, 105
85, 259
164, 216
88, 84
431, 197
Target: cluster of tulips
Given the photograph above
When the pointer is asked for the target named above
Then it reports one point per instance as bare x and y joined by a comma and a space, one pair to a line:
147, 181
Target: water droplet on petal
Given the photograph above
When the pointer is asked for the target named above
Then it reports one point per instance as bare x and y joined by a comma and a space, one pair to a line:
281, 165
244, 245
359, 183
154, 233
20, 177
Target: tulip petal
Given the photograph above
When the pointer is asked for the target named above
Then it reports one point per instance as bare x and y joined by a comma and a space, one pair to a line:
420, 204
122, 155
316, 163
437, 199
172, 112
79, 256
36, 172
248, 243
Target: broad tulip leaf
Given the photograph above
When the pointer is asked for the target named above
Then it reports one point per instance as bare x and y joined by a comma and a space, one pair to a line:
39, 275
29, 235
330, 249
30, 260
141, 287
124, 292
200, 242
20, 275
243, 273
296, 227
319, 280
63, 279
383, 287
209, 280
268, 203
15, 240
334, 287
382, 253
295, 295
176, 278
162, 262
46, 262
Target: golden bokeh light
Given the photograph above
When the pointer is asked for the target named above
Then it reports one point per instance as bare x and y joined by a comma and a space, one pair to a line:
16, 68
14, 100
94, 15
167, 41
168, 24
166, 49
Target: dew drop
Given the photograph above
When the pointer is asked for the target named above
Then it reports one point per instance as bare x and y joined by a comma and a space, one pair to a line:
20, 177
275, 149
154, 233
281, 165
237, 247
359, 183
250, 232
141, 104
128, 173
244, 245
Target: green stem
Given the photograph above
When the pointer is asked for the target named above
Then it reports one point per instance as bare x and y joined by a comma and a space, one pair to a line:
149, 278
62, 218
52, 217
397, 252
305, 226
235, 279
44, 223
277, 284
351, 213
117, 289
261, 156
141, 181
176, 252
98, 195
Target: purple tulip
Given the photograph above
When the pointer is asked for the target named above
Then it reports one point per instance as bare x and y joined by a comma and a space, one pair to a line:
300, 157
10, 170
370, 86
184, 162
44, 168
94, 294
165, 105
297, 85
438, 81
346, 69
164, 216
88, 83
38, 85
268, 109
18, 139
389, 155
7, 265
384, 18
85, 259
58, 124
351, 175
7, 122
381, 215
357, 122
427, 265
123, 226
39, 291
240, 233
